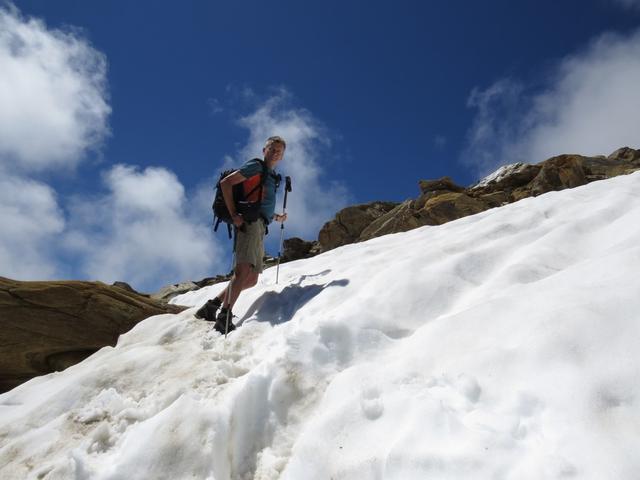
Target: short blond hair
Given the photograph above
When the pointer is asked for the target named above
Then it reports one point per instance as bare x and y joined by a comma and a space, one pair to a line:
275, 139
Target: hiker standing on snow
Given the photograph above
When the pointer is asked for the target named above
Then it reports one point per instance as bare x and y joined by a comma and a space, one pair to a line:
249, 238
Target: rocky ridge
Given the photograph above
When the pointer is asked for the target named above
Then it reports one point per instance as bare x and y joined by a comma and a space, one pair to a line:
442, 201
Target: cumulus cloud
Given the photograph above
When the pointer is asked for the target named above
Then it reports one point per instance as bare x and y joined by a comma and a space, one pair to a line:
589, 105
315, 197
53, 111
52, 93
31, 219
139, 231
53, 108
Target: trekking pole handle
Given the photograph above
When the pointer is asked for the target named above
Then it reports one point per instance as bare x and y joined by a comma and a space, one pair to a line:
287, 189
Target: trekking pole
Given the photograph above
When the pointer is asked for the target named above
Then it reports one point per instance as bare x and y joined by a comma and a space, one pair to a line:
230, 286
287, 189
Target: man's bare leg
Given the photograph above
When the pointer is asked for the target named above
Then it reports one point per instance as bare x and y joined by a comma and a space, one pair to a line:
244, 277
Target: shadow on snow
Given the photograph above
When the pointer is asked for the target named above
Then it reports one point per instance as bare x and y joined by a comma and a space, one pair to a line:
280, 307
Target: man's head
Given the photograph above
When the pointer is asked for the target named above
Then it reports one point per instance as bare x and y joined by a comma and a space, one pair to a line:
273, 150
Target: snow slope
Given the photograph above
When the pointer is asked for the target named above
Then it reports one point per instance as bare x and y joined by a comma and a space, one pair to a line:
498, 346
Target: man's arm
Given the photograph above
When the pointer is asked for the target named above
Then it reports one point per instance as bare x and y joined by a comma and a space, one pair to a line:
226, 185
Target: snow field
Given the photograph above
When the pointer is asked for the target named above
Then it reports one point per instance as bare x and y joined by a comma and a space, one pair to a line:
498, 346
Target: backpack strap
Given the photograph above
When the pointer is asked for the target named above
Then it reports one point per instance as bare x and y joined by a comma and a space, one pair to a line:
263, 179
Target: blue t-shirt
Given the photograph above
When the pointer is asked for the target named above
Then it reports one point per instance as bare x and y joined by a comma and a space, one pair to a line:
268, 206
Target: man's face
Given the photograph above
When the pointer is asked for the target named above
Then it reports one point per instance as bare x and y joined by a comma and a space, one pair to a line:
273, 153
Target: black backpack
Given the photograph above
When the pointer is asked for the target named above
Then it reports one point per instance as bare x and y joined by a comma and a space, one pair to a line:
250, 211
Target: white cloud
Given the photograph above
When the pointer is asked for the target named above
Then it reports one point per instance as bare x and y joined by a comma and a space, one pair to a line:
53, 110
315, 198
53, 100
589, 105
140, 231
31, 219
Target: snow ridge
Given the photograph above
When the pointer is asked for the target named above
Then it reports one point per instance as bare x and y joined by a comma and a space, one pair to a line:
502, 345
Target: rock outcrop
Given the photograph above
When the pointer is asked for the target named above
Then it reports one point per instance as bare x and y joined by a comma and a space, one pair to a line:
49, 326
350, 222
165, 294
442, 201
296, 248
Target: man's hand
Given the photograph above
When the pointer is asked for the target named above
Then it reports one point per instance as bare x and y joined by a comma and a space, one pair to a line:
237, 220
280, 218
226, 184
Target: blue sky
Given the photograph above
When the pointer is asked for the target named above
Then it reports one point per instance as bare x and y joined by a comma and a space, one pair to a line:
373, 96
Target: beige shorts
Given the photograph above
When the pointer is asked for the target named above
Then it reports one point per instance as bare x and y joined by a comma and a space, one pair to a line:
250, 245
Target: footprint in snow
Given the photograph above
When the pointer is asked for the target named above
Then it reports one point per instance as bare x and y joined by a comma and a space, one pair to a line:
371, 403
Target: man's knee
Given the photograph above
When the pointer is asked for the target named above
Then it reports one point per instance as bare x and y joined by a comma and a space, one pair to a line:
242, 271
251, 280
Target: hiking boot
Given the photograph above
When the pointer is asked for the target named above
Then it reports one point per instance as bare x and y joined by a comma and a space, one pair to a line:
209, 309
221, 321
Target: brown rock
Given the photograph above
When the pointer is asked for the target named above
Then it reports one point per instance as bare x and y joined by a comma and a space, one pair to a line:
432, 211
296, 248
350, 222
520, 193
168, 292
621, 162
558, 173
127, 287
495, 199
49, 326
401, 219
625, 154
450, 206
506, 178
442, 184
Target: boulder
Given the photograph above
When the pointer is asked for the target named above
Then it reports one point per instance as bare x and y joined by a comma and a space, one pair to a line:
425, 210
506, 178
558, 173
450, 206
127, 287
49, 326
495, 199
401, 219
444, 184
350, 222
626, 155
167, 293
621, 162
296, 248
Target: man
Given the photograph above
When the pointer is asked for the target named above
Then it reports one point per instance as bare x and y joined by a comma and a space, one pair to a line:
249, 240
